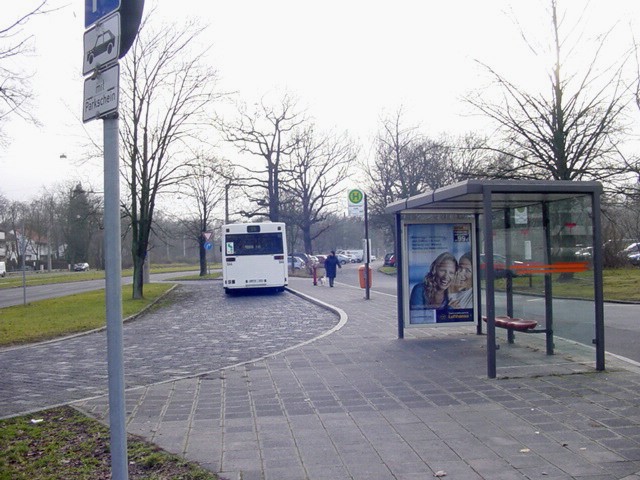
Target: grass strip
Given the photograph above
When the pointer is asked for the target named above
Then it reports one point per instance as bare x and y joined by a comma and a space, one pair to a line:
63, 443
51, 318
46, 278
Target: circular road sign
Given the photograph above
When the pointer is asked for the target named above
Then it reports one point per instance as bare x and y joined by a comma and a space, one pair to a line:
356, 196
208, 246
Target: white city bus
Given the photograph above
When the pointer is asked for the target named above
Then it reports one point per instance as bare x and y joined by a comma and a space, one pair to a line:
254, 255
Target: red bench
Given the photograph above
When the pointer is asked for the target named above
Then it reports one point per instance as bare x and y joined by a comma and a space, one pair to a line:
517, 324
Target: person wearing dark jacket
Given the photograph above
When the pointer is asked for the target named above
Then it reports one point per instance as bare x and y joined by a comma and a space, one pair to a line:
331, 264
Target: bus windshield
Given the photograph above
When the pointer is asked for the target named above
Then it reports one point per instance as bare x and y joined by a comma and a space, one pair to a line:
254, 244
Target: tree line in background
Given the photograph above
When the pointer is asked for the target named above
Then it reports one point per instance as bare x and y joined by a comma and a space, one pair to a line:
285, 168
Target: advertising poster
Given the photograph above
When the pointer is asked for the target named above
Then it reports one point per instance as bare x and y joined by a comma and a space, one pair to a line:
440, 273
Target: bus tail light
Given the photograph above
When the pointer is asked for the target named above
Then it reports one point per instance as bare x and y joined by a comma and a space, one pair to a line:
278, 257
231, 259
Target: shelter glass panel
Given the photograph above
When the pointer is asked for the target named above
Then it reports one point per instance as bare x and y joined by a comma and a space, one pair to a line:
571, 228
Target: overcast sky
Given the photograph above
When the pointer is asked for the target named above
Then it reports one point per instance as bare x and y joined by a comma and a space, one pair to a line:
349, 62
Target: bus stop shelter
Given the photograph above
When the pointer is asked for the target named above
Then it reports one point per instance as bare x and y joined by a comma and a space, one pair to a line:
523, 256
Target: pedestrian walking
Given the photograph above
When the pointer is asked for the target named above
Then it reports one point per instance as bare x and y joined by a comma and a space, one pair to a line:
331, 265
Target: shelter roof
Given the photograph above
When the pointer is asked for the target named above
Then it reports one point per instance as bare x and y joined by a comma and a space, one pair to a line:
468, 195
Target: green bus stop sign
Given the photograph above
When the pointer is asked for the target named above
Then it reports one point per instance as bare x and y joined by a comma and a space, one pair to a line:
356, 196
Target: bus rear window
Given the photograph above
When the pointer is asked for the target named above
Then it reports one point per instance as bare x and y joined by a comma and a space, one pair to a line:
254, 244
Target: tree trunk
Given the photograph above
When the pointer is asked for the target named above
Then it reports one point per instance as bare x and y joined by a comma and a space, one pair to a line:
306, 236
138, 277
203, 257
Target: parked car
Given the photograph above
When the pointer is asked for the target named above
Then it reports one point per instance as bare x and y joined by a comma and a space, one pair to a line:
631, 253
633, 248
499, 265
390, 260
343, 259
81, 267
295, 262
305, 257
584, 253
357, 255
634, 258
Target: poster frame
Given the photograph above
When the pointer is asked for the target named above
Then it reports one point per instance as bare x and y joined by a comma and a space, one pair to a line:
407, 265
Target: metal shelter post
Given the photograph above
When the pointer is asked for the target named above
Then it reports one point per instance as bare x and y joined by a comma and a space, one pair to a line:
399, 275
597, 282
477, 292
548, 281
508, 271
488, 275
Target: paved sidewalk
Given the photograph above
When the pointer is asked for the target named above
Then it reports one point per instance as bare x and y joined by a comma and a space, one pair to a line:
361, 404
197, 331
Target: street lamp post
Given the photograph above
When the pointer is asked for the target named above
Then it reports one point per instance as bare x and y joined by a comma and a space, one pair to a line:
226, 202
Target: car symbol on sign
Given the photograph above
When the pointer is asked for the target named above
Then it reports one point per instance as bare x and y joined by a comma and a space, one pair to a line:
104, 43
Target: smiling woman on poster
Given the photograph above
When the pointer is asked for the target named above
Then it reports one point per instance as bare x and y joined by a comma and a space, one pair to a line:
440, 273
433, 291
461, 292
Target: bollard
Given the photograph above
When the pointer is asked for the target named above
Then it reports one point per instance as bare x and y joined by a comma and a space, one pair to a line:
315, 276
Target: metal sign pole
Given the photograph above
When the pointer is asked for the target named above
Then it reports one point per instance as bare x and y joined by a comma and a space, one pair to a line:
367, 280
112, 28
113, 284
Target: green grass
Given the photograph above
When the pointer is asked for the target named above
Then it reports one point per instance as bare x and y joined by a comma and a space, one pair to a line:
388, 270
46, 278
63, 443
46, 319
618, 284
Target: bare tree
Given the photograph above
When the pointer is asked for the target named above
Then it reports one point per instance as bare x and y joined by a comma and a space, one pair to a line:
471, 158
14, 220
632, 162
15, 89
406, 163
312, 179
206, 188
268, 132
82, 225
4, 210
568, 132
166, 96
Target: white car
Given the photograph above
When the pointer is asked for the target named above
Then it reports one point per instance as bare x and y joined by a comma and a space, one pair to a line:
631, 249
295, 262
634, 258
343, 259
